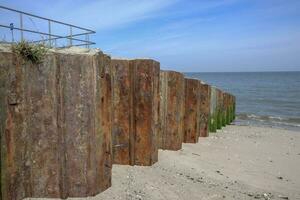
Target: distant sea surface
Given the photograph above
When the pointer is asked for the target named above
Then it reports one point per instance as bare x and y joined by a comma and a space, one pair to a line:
263, 98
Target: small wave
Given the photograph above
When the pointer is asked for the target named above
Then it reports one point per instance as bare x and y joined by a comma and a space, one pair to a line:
272, 120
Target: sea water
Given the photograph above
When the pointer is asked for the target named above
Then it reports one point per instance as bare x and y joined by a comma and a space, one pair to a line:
263, 98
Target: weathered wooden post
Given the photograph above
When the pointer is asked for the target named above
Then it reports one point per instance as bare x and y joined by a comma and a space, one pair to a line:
122, 117
171, 110
191, 126
204, 109
234, 107
213, 110
135, 111
223, 108
84, 123
226, 108
231, 107
55, 126
219, 108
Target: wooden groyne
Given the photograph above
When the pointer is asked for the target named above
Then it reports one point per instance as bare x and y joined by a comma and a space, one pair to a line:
65, 121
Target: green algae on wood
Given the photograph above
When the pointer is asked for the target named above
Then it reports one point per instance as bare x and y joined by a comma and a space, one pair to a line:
204, 109
213, 109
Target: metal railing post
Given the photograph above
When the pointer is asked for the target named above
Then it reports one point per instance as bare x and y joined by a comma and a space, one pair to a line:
86, 45
70, 36
49, 30
87, 38
12, 32
21, 26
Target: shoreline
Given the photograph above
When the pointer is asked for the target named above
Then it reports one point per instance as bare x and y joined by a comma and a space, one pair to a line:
274, 125
237, 162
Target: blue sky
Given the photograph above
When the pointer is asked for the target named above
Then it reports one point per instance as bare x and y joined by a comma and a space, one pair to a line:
203, 35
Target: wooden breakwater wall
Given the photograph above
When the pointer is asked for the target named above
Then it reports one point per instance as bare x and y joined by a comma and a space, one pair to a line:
65, 121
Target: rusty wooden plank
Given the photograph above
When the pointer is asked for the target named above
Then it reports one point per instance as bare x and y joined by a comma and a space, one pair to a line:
29, 166
230, 108
11, 116
86, 98
192, 111
155, 110
122, 112
135, 112
5, 63
234, 107
204, 109
226, 108
146, 74
73, 86
103, 124
162, 109
225, 103
40, 104
219, 108
213, 109
171, 110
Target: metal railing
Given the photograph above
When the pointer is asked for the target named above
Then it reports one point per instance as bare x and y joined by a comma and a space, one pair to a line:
52, 38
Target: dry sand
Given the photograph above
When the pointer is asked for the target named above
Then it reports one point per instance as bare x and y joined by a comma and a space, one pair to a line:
238, 162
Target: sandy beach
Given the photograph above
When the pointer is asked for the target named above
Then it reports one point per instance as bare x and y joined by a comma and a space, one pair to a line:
238, 162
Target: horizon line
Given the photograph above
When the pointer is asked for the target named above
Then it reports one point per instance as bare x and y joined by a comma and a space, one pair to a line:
236, 71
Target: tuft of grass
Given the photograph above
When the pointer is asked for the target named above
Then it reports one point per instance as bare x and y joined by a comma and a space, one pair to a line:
34, 53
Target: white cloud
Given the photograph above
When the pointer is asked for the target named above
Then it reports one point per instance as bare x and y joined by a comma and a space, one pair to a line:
96, 14
108, 14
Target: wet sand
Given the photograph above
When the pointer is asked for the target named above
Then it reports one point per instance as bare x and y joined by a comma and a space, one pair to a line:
238, 162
